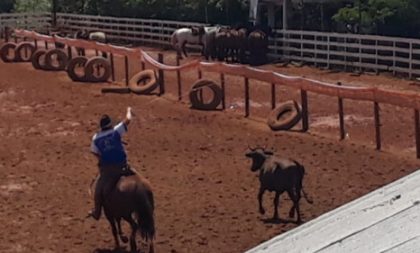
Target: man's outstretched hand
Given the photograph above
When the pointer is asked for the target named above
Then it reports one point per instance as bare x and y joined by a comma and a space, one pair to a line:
130, 114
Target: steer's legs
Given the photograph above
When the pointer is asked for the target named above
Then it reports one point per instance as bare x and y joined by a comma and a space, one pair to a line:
295, 198
260, 196
276, 204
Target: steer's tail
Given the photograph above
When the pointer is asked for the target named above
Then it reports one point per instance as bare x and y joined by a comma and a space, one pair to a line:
301, 170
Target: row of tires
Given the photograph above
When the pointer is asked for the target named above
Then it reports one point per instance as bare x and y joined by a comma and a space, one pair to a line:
21, 52
57, 60
283, 117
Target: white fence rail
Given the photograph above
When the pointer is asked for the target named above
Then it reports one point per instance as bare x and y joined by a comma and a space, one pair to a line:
349, 51
330, 50
130, 29
36, 21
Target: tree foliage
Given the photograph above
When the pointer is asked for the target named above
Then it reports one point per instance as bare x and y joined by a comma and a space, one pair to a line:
385, 17
381, 16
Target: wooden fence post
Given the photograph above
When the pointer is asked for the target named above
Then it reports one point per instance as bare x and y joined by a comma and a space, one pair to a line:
222, 83
178, 80
6, 34
69, 53
112, 67
273, 95
377, 126
161, 76
341, 116
417, 132
126, 70
305, 116
246, 97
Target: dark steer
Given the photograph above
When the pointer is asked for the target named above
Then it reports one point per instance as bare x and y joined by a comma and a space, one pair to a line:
279, 175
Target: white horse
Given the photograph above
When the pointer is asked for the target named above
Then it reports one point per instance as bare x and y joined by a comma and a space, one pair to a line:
203, 36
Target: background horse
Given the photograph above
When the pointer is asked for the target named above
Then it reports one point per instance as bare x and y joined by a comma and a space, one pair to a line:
132, 195
92, 36
203, 36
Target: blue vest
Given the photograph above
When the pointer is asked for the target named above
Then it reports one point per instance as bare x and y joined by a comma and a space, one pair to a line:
111, 149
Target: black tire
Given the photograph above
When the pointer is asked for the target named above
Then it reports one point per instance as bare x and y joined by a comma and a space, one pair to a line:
61, 58
196, 103
285, 116
151, 85
20, 48
36, 59
71, 66
90, 68
4, 52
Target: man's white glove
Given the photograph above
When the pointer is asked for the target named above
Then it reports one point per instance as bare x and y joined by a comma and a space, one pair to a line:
129, 113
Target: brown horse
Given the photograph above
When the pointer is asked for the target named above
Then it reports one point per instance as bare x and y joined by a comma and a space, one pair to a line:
132, 195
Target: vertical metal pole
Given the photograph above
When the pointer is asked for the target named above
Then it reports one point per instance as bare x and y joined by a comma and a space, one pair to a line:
341, 116
377, 126
222, 83
161, 76
6, 34
246, 97
69, 53
112, 67
126, 70
178, 79
305, 117
273, 95
417, 132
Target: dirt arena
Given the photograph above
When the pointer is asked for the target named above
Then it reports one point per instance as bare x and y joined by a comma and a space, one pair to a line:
204, 190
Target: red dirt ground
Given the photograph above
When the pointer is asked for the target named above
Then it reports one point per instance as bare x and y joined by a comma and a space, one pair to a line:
205, 193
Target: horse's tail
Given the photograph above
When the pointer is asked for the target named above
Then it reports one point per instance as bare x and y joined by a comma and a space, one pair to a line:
145, 217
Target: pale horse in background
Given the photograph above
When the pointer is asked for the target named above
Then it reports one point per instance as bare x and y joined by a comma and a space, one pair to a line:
203, 36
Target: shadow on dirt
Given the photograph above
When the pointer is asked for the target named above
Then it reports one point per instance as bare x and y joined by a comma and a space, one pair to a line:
277, 221
119, 250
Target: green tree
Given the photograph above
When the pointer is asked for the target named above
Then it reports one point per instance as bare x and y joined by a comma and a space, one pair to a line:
32, 5
380, 15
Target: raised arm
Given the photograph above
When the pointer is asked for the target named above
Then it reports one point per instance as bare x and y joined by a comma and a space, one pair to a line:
128, 116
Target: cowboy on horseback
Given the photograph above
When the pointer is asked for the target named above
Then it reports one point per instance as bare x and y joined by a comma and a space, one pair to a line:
108, 147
